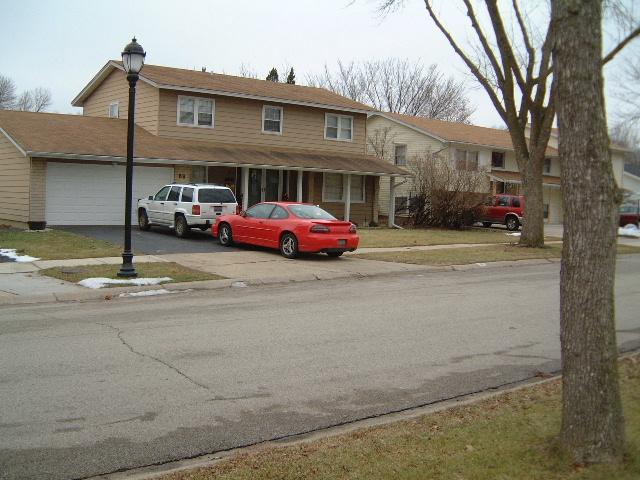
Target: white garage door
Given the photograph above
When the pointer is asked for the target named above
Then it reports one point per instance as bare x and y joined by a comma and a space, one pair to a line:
80, 194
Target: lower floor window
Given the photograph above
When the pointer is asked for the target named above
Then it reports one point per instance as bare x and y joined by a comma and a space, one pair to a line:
334, 187
402, 205
545, 211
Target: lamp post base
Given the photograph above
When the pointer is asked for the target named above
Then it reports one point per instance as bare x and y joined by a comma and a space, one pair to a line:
127, 270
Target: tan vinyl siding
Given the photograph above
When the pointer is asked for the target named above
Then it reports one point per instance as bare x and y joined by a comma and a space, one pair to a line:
239, 121
37, 190
417, 144
14, 183
116, 89
361, 213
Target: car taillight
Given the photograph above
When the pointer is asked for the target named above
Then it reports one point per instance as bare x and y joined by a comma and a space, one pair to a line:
352, 228
319, 229
195, 210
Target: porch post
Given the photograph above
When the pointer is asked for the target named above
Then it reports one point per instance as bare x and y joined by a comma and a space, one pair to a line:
300, 173
347, 200
392, 201
280, 177
245, 188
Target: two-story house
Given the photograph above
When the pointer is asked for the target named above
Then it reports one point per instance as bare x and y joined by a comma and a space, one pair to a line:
265, 140
466, 146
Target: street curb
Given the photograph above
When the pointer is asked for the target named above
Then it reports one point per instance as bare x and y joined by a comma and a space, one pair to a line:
114, 292
153, 472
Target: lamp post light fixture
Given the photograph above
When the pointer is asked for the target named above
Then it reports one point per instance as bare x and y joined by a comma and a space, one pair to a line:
132, 61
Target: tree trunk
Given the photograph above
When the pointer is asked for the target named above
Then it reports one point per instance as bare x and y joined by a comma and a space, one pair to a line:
592, 421
533, 228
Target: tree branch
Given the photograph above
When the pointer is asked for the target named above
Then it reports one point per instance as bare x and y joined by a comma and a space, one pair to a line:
609, 56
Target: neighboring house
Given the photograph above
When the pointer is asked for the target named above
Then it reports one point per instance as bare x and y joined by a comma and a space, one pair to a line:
631, 182
265, 140
466, 146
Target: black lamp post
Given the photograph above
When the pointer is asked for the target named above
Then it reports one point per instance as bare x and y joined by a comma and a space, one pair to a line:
132, 60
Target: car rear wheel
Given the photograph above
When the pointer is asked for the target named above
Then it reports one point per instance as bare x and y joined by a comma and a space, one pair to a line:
224, 235
289, 245
335, 254
486, 224
143, 220
181, 227
512, 223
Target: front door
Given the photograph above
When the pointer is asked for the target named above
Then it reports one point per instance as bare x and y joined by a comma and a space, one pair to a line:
272, 186
255, 186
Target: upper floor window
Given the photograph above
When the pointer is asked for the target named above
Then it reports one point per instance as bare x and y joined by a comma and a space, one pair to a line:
271, 119
400, 154
114, 111
195, 111
338, 127
547, 166
497, 159
466, 160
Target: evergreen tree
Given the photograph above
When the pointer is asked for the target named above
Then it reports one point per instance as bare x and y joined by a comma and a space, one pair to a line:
273, 75
291, 78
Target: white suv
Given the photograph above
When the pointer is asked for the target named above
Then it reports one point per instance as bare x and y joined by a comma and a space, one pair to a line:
186, 206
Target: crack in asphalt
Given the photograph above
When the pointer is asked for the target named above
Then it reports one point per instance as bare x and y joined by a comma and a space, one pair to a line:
151, 357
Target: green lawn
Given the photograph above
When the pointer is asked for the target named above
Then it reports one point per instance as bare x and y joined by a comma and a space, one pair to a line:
461, 256
385, 237
176, 272
509, 437
56, 244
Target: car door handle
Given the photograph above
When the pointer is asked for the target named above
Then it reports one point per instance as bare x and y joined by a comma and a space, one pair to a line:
176, 203
161, 203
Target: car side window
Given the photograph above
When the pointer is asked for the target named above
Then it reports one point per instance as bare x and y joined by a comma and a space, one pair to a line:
515, 202
279, 213
261, 210
187, 194
162, 194
504, 202
174, 194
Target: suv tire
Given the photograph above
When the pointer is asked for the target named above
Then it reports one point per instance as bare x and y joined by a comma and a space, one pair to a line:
512, 223
486, 224
289, 245
225, 236
181, 227
143, 220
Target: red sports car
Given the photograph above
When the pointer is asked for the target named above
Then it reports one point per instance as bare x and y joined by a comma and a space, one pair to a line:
291, 227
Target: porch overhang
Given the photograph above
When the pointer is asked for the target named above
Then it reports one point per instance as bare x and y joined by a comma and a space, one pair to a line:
516, 179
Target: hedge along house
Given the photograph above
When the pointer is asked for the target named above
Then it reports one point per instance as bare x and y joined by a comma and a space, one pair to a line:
265, 140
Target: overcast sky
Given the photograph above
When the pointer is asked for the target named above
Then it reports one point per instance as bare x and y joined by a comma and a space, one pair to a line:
61, 45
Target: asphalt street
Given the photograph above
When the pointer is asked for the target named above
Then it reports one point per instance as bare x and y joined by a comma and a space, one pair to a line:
90, 388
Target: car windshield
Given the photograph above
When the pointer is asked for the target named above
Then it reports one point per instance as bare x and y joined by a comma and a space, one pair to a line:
628, 209
215, 195
310, 212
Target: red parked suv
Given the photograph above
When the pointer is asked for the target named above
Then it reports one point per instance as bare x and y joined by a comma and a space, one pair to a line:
504, 209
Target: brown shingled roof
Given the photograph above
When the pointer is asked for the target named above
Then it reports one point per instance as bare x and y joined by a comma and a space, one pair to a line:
217, 83
461, 132
54, 135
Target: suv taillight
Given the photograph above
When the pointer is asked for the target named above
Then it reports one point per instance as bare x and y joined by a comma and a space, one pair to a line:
353, 228
319, 229
195, 210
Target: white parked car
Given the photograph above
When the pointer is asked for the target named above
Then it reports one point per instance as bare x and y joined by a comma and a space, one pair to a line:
186, 206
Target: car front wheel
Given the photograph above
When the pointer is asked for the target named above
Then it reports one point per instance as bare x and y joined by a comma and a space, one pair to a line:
182, 227
224, 235
512, 224
143, 220
289, 245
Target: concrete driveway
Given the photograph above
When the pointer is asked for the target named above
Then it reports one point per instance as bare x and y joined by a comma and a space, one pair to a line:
157, 241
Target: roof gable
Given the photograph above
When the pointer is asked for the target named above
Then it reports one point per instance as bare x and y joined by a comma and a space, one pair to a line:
228, 85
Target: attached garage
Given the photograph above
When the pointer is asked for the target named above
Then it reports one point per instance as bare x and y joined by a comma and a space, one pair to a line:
93, 194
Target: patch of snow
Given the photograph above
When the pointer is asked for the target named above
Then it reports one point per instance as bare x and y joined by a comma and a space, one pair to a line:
481, 264
146, 293
11, 253
101, 282
239, 284
629, 231
514, 234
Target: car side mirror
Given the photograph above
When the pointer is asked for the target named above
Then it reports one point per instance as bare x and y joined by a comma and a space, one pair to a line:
150, 197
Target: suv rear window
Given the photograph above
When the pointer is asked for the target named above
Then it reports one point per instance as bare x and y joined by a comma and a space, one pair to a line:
216, 195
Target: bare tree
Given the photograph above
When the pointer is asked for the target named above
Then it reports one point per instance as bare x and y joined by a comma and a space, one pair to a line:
7, 92
400, 86
380, 142
592, 421
24, 102
512, 62
442, 195
41, 99
248, 71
